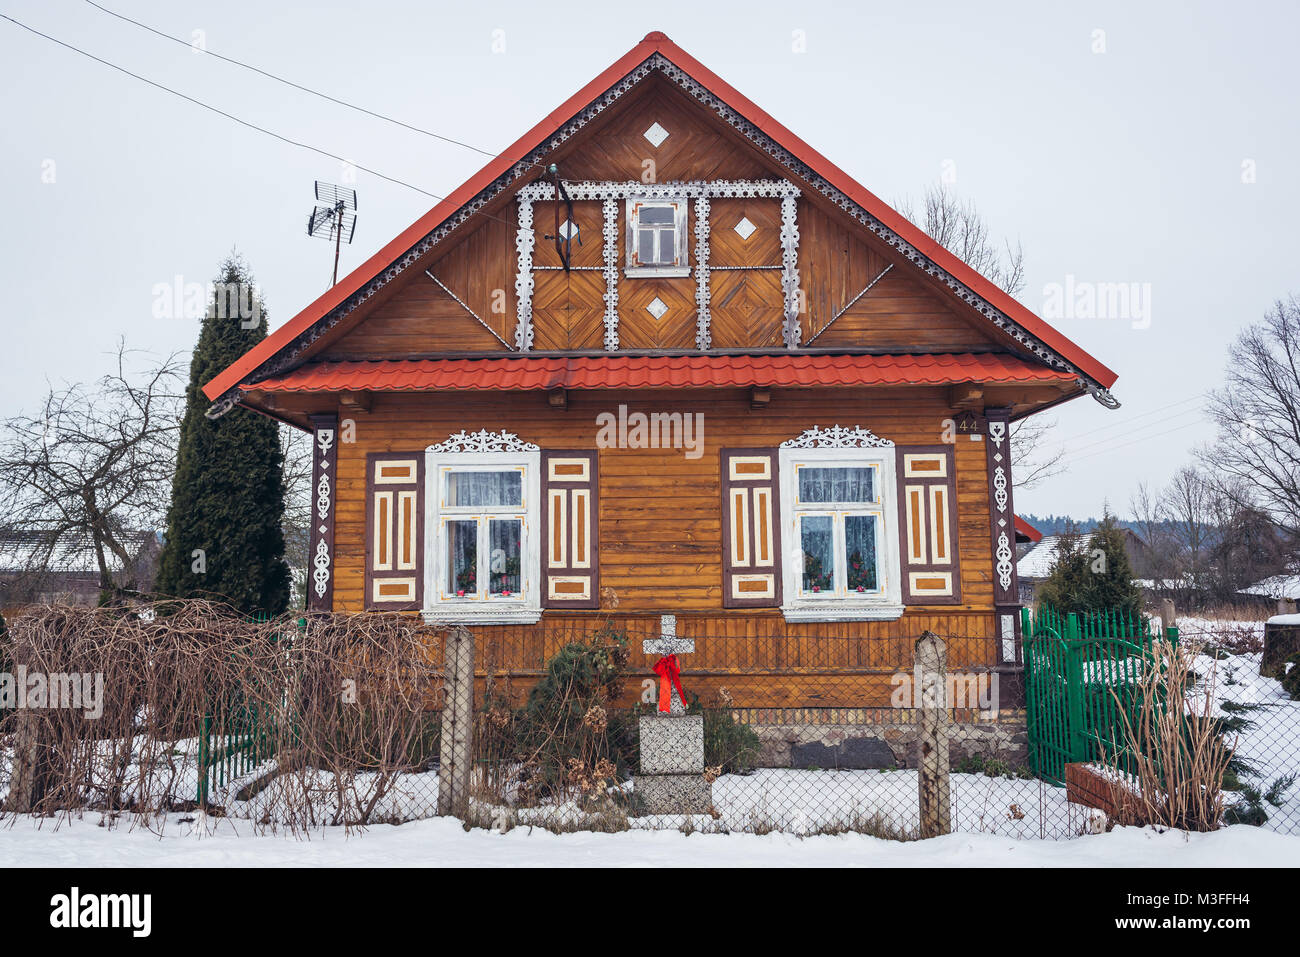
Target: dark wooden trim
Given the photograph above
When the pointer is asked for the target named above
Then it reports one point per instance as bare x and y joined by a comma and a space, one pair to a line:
729, 568
372, 459
906, 568
321, 563
593, 544
1002, 524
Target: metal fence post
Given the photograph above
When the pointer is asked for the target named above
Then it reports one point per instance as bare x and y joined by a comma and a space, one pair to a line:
457, 739
1076, 739
931, 663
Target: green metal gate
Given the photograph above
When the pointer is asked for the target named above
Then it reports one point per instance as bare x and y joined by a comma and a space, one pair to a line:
1081, 673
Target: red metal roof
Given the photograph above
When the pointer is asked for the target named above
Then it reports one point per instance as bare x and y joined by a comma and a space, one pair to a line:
649, 372
1023, 528
654, 43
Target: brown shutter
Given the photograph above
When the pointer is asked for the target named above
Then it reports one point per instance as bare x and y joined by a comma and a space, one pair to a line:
927, 520
394, 527
570, 574
751, 519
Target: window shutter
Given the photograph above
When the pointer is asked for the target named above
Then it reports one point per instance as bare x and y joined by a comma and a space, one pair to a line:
394, 526
751, 540
927, 520
570, 575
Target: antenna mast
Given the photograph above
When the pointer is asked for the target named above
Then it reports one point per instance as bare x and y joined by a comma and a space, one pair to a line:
335, 220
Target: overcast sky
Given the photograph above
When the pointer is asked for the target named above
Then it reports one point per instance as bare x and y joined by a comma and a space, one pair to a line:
1153, 144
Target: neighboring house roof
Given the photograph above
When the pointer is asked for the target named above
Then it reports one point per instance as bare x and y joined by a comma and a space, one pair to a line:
1279, 586
21, 553
1026, 532
1036, 564
521, 159
648, 372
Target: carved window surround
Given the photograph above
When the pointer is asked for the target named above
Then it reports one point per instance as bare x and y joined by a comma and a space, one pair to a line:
701, 191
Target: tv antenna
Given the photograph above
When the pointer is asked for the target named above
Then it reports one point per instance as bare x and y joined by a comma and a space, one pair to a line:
334, 218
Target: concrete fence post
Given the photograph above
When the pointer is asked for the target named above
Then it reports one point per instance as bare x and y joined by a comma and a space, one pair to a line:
457, 740
931, 669
1168, 617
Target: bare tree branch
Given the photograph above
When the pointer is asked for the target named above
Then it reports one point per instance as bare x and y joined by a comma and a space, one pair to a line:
94, 464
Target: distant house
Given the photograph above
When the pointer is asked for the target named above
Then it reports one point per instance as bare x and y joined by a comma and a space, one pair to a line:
1277, 588
1037, 559
34, 570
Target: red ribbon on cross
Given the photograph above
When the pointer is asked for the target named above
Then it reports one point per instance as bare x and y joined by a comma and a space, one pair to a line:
668, 671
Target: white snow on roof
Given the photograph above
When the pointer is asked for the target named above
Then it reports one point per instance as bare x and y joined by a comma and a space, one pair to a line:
1279, 586
26, 553
1037, 563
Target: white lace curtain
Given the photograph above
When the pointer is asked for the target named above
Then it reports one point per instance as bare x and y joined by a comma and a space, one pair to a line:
836, 485
484, 489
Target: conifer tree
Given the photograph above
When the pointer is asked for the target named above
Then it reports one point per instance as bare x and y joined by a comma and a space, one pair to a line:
225, 539
1092, 574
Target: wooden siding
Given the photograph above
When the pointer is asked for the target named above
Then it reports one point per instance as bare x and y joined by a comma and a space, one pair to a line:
660, 518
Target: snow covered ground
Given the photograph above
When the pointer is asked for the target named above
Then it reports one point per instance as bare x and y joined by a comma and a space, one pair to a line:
443, 842
1270, 744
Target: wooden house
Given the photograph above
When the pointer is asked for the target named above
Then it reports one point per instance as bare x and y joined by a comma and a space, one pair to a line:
661, 357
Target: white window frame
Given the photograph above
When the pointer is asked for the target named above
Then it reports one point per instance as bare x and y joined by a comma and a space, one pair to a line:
440, 603
884, 604
681, 265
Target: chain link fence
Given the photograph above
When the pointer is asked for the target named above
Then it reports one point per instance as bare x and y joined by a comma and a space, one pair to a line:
349, 720
1256, 701
801, 735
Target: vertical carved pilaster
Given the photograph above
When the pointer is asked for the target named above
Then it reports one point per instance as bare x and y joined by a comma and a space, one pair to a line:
324, 466
703, 328
1002, 522
610, 209
524, 243
790, 269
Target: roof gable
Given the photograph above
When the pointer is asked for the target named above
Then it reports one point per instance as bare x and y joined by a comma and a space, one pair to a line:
656, 53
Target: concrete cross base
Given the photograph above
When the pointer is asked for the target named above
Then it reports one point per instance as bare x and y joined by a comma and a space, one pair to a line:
672, 794
672, 744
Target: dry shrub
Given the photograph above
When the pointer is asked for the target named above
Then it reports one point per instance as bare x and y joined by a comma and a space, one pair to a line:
1173, 743
564, 749
316, 719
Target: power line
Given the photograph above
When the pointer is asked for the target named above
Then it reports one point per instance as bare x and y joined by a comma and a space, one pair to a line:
220, 112
291, 83
1072, 448
1124, 445
1132, 419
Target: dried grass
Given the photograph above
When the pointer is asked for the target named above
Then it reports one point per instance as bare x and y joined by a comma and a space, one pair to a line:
339, 708
1173, 742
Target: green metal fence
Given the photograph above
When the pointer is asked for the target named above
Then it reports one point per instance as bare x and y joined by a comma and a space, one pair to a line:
1081, 674
238, 735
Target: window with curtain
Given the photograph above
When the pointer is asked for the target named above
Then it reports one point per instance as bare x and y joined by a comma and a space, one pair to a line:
484, 511
842, 561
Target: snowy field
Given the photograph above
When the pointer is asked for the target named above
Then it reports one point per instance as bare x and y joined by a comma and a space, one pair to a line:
444, 842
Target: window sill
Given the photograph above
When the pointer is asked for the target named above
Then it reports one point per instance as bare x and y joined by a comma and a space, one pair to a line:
842, 612
656, 272
492, 615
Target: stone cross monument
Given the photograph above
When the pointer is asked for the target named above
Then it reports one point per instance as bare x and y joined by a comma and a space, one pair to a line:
672, 742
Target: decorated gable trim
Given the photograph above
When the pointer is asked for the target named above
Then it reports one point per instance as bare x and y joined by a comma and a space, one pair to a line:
701, 191
482, 441
289, 355
837, 437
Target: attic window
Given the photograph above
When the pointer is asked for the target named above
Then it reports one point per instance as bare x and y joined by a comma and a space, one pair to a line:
656, 238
